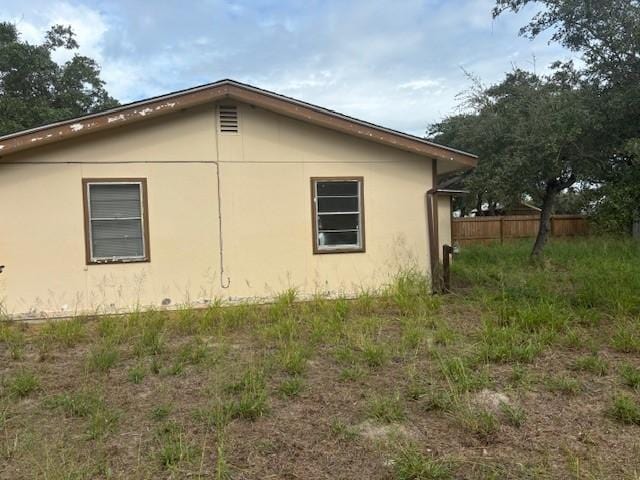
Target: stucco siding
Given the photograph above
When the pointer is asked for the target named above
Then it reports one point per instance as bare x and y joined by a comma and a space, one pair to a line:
265, 174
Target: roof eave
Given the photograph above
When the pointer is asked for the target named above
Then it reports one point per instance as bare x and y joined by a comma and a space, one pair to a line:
165, 104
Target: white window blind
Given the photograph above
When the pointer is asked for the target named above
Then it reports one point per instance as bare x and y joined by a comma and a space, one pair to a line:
116, 221
338, 212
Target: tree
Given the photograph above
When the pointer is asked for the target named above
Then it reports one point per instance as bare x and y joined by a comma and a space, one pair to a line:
35, 90
607, 34
537, 136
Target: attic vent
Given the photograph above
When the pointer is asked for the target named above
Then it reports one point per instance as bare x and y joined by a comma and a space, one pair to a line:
228, 119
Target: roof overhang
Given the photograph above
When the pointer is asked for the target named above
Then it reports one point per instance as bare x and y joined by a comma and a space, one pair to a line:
222, 90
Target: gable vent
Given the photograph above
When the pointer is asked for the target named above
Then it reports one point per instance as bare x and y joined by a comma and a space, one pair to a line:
228, 119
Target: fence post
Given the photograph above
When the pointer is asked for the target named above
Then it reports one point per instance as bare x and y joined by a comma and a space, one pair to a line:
501, 230
447, 250
553, 230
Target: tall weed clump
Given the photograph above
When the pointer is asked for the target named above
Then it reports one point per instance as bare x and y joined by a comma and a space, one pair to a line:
527, 306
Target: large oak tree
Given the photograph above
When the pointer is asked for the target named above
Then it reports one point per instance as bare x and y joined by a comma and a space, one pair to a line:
35, 90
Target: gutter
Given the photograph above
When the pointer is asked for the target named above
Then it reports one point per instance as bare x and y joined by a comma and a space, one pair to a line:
431, 196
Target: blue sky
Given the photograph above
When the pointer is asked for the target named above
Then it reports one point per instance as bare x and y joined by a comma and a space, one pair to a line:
399, 63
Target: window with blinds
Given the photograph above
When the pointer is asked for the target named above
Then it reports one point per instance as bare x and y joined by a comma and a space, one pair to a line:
338, 215
116, 225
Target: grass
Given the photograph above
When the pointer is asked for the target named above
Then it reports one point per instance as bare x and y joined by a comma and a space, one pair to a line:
630, 376
136, 374
102, 357
478, 421
563, 384
22, 384
101, 419
410, 464
174, 446
592, 364
386, 409
342, 431
291, 387
394, 383
625, 409
514, 414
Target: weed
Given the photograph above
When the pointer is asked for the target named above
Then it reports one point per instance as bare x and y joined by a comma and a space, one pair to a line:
519, 375
67, 333
630, 376
626, 338
282, 307
365, 302
87, 404
408, 290
340, 309
160, 412
151, 340
175, 369
625, 409
291, 387
174, 447
351, 374
252, 401
76, 404
193, 353
592, 364
410, 464
345, 355
460, 377
563, 384
155, 366
513, 414
101, 422
412, 336
443, 335
22, 384
293, 359
14, 339
102, 357
186, 322
136, 374
115, 330
478, 421
386, 409
374, 353
500, 343
342, 431
440, 399
416, 389
251, 405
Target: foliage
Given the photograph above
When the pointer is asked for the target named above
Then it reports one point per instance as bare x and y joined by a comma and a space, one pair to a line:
35, 90
606, 34
537, 136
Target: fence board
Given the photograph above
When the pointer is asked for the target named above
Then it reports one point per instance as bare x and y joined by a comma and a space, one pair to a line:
491, 229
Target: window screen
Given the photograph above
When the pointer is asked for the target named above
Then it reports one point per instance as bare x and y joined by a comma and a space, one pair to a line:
338, 215
116, 221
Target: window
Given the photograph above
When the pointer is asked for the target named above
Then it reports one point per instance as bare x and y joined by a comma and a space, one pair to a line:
338, 215
116, 223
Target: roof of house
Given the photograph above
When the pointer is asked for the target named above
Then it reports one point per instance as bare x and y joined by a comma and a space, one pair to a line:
221, 90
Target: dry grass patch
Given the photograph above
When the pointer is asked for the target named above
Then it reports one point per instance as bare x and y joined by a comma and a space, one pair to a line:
397, 384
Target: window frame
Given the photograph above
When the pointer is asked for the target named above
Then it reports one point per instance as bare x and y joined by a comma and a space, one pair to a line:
317, 248
144, 206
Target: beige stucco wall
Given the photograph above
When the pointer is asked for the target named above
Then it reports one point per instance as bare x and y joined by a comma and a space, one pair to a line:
266, 214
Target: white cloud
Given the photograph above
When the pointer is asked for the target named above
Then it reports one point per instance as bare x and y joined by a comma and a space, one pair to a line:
392, 63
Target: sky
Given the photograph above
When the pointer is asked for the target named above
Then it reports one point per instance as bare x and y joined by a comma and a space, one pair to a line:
397, 63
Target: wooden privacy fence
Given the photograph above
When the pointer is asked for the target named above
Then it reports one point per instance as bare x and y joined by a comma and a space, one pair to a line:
498, 229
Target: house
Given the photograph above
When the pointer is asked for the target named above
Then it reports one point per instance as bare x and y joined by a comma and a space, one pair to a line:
220, 191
